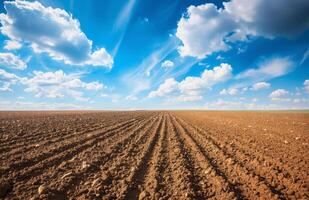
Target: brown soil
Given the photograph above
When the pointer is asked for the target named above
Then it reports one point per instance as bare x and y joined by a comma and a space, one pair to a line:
154, 155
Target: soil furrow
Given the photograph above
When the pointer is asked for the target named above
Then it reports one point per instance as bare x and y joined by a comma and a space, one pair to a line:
266, 176
154, 183
58, 163
157, 155
103, 163
213, 181
124, 168
247, 183
258, 154
184, 175
78, 143
22, 139
37, 147
46, 137
144, 166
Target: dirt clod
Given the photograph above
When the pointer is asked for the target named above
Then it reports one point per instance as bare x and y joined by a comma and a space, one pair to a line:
42, 189
5, 188
142, 195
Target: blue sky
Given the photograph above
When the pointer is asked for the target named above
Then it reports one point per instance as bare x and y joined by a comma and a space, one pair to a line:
133, 54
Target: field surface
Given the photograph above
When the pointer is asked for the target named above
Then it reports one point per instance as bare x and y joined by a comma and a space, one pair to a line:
154, 155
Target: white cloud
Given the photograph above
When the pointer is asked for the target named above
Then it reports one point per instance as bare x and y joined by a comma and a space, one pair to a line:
302, 100
5, 76
144, 75
202, 30
7, 79
104, 95
122, 22
167, 64
29, 105
6, 87
165, 89
12, 61
281, 104
11, 45
305, 56
125, 14
58, 84
271, 68
260, 86
208, 78
52, 31
306, 85
253, 17
131, 98
223, 104
230, 91
278, 93
191, 87
114, 97
280, 99
205, 29
187, 98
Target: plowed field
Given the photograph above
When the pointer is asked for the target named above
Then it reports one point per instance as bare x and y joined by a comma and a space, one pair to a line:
154, 155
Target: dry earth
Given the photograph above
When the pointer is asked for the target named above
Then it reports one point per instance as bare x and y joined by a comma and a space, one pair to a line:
154, 155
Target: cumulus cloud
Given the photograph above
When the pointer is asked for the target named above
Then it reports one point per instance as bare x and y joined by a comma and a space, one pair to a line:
191, 87
207, 79
10, 60
6, 80
202, 30
58, 84
205, 29
11, 45
277, 95
230, 91
260, 86
167, 64
52, 31
271, 68
306, 85
168, 87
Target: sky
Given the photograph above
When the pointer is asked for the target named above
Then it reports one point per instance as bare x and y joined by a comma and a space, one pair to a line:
147, 54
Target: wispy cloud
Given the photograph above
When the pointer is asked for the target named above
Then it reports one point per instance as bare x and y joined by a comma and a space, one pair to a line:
122, 22
267, 70
305, 57
142, 77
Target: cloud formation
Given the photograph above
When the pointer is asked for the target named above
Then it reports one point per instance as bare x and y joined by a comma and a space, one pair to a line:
269, 69
230, 91
167, 64
6, 80
306, 85
205, 29
191, 88
52, 31
260, 86
58, 84
278, 93
12, 61
12, 45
